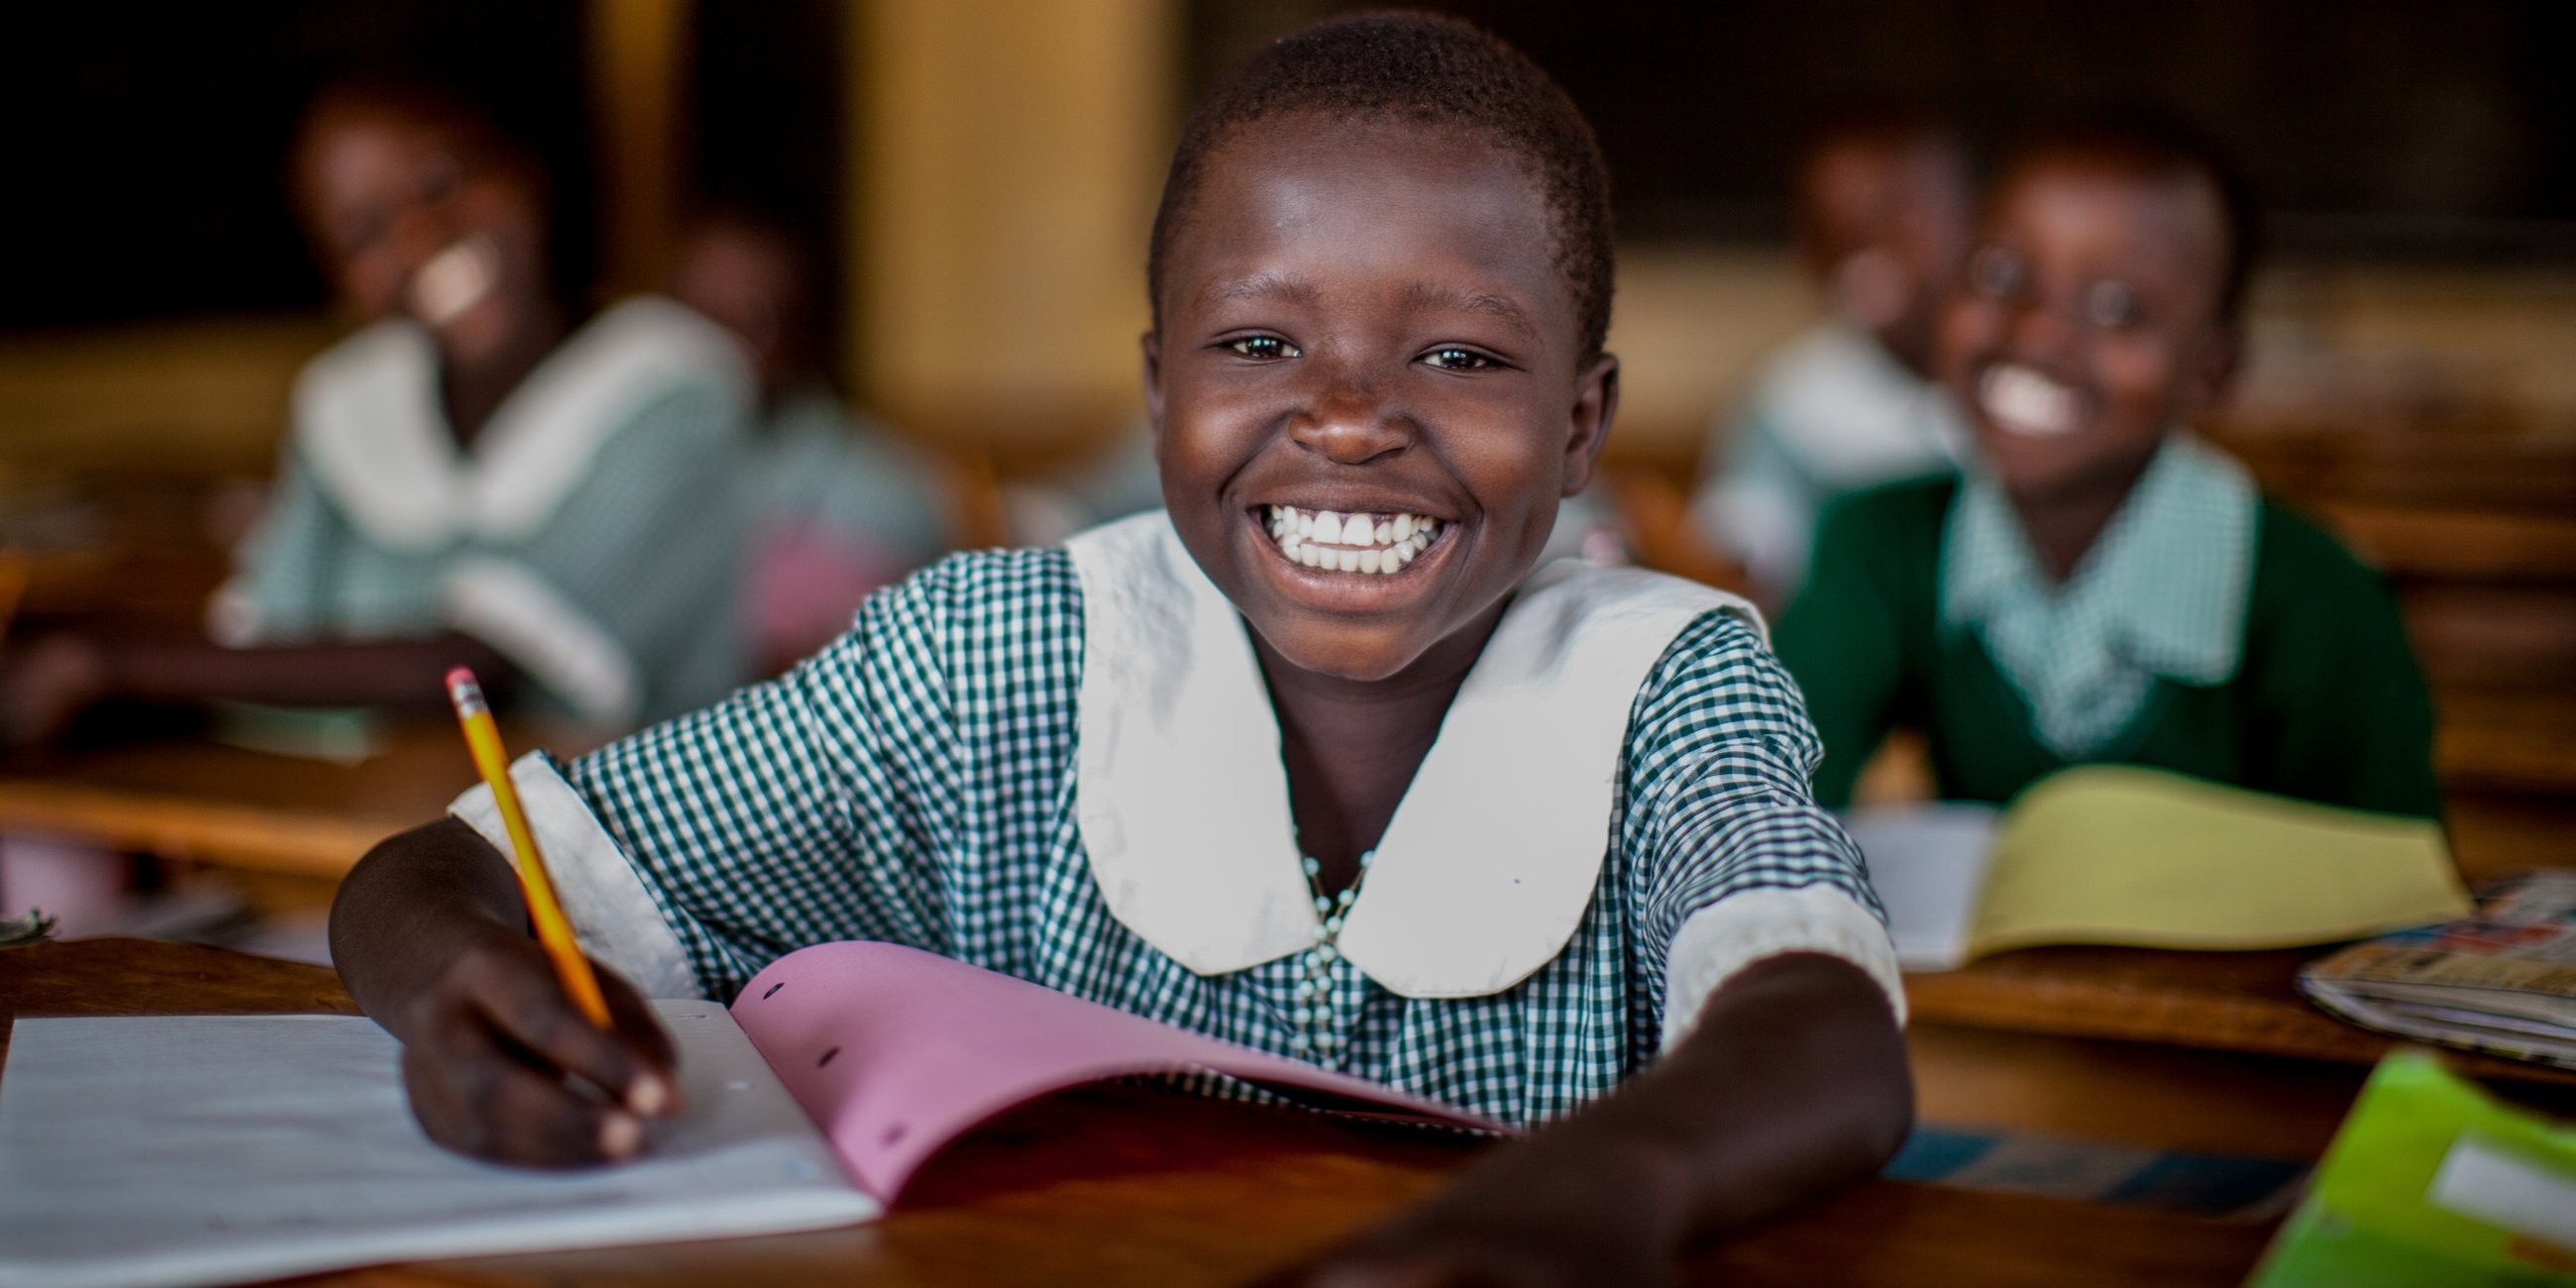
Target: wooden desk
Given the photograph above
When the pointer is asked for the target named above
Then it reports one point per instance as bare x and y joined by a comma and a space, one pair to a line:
205, 802
2238, 1002
1126, 1186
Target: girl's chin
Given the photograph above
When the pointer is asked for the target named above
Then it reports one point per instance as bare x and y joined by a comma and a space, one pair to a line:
1340, 653
482, 333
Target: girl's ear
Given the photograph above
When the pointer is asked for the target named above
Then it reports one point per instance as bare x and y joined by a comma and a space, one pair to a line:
1596, 401
1152, 345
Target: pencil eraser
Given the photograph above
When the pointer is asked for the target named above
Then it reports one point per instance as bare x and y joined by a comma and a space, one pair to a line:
463, 691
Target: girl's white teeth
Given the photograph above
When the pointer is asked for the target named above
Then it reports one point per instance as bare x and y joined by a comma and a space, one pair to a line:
1362, 543
453, 280
2022, 400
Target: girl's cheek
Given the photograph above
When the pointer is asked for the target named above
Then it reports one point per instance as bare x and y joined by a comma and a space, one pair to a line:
2137, 375
504, 212
369, 284
1968, 329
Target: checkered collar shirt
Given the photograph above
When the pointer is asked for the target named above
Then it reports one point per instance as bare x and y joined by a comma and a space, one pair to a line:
2163, 593
918, 782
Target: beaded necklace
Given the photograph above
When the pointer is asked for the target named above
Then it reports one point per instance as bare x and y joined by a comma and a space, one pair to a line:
1316, 1034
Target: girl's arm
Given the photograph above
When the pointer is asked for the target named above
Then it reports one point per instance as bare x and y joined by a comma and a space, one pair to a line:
45, 685
430, 936
1795, 1081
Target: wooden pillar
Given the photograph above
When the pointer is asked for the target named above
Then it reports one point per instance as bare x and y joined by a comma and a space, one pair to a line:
638, 73
1008, 155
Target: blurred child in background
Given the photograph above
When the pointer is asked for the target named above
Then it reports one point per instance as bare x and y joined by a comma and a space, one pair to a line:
839, 506
1881, 212
2100, 584
476, 475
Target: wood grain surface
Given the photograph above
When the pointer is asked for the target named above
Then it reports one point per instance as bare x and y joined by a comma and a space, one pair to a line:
2243, 1002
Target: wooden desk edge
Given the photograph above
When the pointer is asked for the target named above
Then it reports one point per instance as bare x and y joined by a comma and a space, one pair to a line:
298, 843
2285, 1026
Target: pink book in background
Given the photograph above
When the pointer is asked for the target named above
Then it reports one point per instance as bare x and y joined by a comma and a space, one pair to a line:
894, 1052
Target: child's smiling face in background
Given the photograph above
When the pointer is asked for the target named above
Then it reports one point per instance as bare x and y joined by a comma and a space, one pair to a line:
1368, 318
411, 218
2090, 321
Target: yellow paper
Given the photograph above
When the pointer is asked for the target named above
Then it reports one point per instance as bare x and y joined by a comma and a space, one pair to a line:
2118, 854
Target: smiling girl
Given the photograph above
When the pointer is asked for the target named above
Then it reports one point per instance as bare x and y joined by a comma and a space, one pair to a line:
2101, 585
1313, 762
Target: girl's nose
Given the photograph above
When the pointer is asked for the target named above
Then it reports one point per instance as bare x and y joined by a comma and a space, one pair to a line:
1350, 424
2041, 326
418, 232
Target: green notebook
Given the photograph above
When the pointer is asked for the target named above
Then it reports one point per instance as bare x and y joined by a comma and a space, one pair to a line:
2432, 1184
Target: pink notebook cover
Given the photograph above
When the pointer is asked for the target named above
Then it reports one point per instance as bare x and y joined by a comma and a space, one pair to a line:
894, 1052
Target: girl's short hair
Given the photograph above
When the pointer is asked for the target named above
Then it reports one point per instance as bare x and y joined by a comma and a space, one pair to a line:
1430, 70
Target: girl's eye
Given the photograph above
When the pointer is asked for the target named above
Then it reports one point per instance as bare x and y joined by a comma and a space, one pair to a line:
440, 179
2111, 305
1453, 358
1998, 274
1262, 347
353, 236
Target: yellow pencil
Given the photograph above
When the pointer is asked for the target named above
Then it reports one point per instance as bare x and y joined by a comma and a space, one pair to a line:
483, 739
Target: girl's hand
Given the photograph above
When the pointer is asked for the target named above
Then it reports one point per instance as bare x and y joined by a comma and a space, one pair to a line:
499, 1063
1793, 1082
1471, 1254
1544, 1213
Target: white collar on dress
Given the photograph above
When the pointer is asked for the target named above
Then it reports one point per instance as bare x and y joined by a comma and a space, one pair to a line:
1490, 860
368, 420
2164, 591
1849, 413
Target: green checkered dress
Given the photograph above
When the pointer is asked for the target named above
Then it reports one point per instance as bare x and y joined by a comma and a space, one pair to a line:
914, 783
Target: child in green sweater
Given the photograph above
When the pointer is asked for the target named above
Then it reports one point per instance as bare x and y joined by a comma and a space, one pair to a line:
2101, 585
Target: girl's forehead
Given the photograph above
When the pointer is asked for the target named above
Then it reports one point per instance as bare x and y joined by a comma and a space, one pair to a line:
2107, 194
2163, 222
386, 132
1362, 192
1304, 144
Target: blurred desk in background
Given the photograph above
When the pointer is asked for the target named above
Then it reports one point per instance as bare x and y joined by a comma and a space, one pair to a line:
1121, 1185
2209, 1053
199, 801
2244, 1002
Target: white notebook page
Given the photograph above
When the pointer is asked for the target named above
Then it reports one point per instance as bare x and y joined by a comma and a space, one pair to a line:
1928, 863
182, 1150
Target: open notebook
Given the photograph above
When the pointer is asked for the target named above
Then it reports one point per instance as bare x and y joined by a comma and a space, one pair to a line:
182, 1150
2114, 854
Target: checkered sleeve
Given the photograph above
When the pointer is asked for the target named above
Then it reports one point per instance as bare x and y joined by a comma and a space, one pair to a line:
1731, 860
278, 588
808, 809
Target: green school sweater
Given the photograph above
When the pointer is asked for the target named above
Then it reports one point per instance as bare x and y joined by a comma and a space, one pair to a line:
2327, 704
